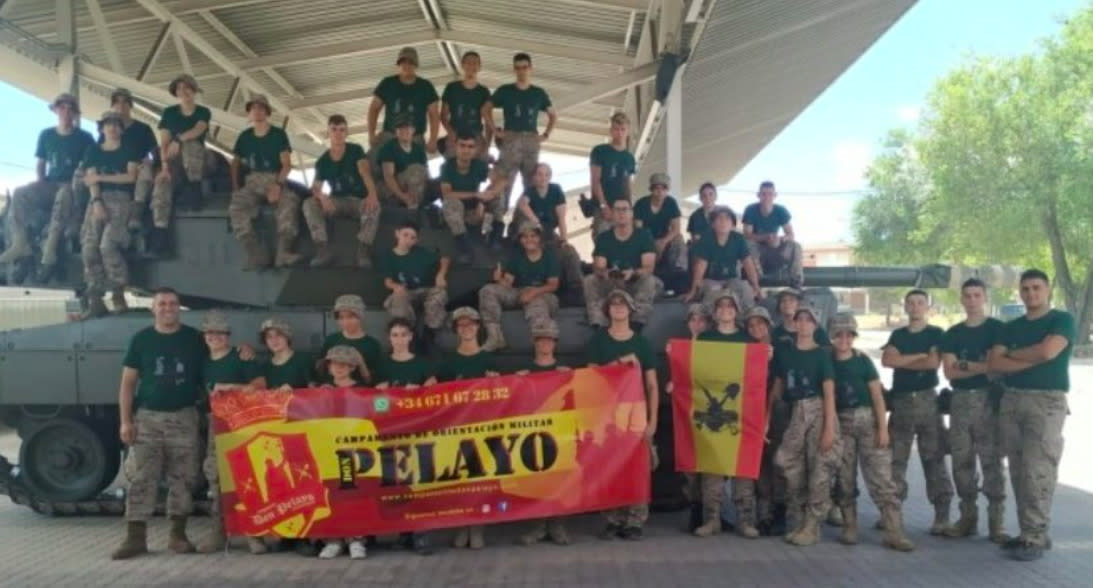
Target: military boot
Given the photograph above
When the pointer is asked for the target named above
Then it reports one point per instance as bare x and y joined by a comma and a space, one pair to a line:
177, 540
285, 257
117, 300
834, 517
849, 535
941, 519
135, 542
556, 531
712, 526
257, 256
19, 248
535, 535
364, 256
495, 339
215, 540
323, 255
95, 306
477, 537
996, 522
894, 537
968, 523
462, 538
256, 546
808, 533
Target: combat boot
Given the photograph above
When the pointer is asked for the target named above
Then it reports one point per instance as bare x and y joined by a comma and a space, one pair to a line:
535, 535
364, 256
135, 542
95, 306
19, 249
712, 526
747, 530
256, 546
834, 517
215, 540
849, 535
557, 533
968, 523
941, 519
894, 536
495, 339
477, 537
996, 522
808, 533
117, 299
257, 256
323, 255
285, 257
177, 540
462, 538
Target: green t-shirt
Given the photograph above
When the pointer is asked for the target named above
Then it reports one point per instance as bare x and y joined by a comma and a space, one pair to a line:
469, 181
603, 349
137, 138
723, 259
465, 107
413, 372
971, 344
698, 224
416, 269
392, 152
535, 368
457, 366
528, 273
852, 377
656, 221
1022, 332
908, 343
168, 366
62, 153
623, 255
781, 336
297, 372
521, 107
177, 123
715, 335
230, 369
766, 225
343, 176
413, 99
804, 372
367, 346
545, 206
262, 154
109, 162
616, 169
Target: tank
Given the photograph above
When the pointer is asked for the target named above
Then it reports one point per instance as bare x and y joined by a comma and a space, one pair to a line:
59, 383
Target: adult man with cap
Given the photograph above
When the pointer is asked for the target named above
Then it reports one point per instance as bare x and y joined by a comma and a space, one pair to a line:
59, 151
789, 300
400, 96
529, 279
416, 277
463, 104
623, 258
265, 151
659, 214
465, 202
157, 401
721, 259
762, 222
543, 204
611, 168
404, 166
110, 170
520, 102
138, 138
344, 169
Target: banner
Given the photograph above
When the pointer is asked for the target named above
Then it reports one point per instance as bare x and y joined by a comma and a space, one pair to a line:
347, 462
719, 406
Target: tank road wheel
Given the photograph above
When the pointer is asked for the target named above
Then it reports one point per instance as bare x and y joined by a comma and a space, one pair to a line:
66, 460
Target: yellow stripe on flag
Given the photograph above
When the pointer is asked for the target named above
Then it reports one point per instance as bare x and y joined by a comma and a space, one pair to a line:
714, 367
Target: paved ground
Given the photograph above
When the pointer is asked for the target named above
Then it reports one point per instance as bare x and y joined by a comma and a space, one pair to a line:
40, 551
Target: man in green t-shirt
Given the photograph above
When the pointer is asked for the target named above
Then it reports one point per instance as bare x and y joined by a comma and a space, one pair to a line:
1033, 355
623, 258
611, 168
912, 353
528, 280
659, 214
973, 420
416, 277
463, 104
543, 205
59, 151
161, 382
465, 202
403, 95
776, 254
265, 151
720, 260
521, 102
404, 167
344, 169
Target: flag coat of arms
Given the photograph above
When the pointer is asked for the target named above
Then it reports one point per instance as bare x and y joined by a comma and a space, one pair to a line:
719, 406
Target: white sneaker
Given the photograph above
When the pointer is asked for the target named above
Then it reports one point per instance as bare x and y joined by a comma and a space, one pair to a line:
357, 550
331, 550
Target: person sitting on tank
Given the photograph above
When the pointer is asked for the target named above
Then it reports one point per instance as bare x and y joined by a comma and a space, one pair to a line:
344, 169
403, 94
461, 178
110, 171
611, 168
543, 204
776, 253
623, 258
405, 168
417, 278
59, 151
789, 300
529, 280
349, 315
659, 214
265, 151
719, 260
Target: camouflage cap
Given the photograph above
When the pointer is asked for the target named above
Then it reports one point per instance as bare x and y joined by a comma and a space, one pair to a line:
65, 98
122, 93
187, 79
465, 312
726, 294
351, 303
844, 321
795, 292
697, 308
111, 116
215, 321
660, 179
545, 328
760, 312
807, 309
261, 100
409, 54
275, 324
531, 228
344, 354
619, 294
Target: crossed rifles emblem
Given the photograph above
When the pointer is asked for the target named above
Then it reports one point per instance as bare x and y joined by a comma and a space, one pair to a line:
717, 417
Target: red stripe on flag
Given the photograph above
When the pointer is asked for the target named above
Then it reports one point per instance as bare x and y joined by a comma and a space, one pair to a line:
753, 411
679, 360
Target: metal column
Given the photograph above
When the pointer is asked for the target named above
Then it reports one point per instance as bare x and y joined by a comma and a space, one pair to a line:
674, 135
68, 69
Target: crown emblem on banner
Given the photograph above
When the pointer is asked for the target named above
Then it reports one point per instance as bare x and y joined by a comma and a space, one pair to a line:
239, 409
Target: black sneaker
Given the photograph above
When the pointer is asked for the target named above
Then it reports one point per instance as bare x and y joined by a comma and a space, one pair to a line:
306, 548
1027, 551
611, 531
632, 533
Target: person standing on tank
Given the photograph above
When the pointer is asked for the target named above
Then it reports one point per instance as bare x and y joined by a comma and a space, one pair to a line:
403, 96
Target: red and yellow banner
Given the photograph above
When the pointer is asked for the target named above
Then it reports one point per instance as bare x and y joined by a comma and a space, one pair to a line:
719, 406
348, 462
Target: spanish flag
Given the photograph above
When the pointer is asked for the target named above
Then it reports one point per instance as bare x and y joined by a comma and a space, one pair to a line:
719, 406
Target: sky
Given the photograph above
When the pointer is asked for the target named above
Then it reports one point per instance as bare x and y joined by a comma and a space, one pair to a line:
819, 159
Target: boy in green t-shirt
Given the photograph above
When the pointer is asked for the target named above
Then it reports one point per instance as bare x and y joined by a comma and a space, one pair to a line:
611, 168
186, 163
720, 260
659, 214
349, 315
767, 494
529, 280
404, 167
465, 202
417, 278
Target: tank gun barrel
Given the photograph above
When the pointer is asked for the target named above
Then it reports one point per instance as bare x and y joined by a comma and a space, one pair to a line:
928, 276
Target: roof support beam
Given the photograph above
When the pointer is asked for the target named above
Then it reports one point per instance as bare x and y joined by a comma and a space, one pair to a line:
135, 14
112, 55
183, 53
608, 87
612, 4
68, 67
153, 55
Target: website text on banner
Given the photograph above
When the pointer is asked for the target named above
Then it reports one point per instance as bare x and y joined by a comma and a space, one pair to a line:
348, 462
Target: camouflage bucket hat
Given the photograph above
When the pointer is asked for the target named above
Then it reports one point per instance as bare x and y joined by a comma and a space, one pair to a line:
697, 308
531, 228
465, 312
844, 321
215, 321
121, 93
65, 98
110, 117
545, 328
274, 324
409, 54
619, 295
260, 100
660, 179
344, 354
351, 303
727, 295
187, 79
760, 312
795, 292
810, 312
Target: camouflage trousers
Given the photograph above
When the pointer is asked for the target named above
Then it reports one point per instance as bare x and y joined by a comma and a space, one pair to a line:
674, 256
166, 443
457, 214
103, 243
596, 289
808, 470
707, 490
142, 191
973, 433
914, 414
493, 298
858, 427
344, 206
519, 153
413, 180
770, 488
40, 196
710, 289
1032, 435
212, 473
788, 254
431, 300
191, 165
570, 260
243, 208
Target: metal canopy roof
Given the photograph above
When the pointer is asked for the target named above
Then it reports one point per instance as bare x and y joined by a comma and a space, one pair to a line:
754, 65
